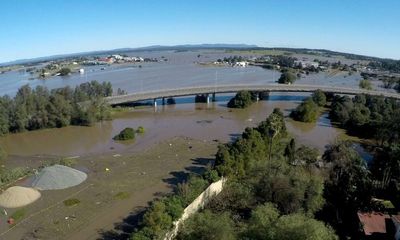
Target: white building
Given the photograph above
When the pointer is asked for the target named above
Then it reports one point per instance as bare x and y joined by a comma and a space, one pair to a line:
241, 64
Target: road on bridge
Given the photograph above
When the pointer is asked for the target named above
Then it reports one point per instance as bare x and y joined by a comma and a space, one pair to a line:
178, 92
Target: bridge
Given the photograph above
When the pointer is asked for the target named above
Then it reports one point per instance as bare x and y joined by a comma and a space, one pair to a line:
206, 90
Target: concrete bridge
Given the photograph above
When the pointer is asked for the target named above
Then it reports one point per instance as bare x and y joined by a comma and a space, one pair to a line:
207, 90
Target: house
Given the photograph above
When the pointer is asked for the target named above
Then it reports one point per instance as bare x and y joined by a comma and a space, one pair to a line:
376, 225
306, 64
241, 64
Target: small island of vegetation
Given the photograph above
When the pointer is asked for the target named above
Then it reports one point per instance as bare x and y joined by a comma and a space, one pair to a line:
310, 108
242, 99
126, 134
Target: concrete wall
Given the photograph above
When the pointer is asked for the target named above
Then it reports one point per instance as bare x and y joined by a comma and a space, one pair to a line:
212, 190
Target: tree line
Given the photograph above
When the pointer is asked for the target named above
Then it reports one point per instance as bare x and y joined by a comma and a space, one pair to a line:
39, 108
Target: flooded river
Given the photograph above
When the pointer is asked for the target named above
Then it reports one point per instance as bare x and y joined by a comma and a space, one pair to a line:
195, 120
181, 70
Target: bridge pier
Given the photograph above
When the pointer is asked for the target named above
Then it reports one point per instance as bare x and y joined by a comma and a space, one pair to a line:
155, 102
207, 98
163, 101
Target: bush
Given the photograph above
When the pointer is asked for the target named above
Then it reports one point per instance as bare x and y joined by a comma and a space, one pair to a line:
122, 195
307, 111
19, 214
64, 71
126, 134
71, 202
208, 226
365, 84
140, 130
319, 98
242, 99
287, 78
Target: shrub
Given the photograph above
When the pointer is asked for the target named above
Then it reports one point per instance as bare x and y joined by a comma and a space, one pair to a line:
140, 130
122, 195
307, 111
64, 71
287, 78
242, 99
71, 202
365, 84
126, 134
19, 214
319, 98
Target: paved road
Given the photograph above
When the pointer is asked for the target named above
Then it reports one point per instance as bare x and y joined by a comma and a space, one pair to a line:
234, 88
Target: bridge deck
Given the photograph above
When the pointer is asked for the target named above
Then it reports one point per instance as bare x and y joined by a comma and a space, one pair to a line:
134, 97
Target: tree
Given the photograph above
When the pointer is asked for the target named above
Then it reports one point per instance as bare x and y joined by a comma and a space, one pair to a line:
307, 111
157, 219
299, 226
126, 134
365, 84
208, 226
242, 99
64, 71
348, 188
262, 220
319, 98
287, 78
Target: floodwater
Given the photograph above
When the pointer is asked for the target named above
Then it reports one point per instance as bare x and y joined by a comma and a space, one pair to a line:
194, 120
181, 70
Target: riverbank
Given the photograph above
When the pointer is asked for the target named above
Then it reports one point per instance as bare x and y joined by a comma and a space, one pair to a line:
108, 197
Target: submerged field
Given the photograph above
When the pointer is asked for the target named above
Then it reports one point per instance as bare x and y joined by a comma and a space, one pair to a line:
105, 205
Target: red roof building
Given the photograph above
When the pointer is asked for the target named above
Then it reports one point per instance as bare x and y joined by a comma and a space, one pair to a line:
374, 223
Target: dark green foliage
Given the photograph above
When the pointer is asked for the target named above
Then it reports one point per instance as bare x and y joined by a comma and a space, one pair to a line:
126, 134
243, 99
140, 130
266, 223
287, 77
365, 84
368, 116
348, 188
159, 217
307, 111
40, 108
64, 71
319, 98
174, 206
208, 226
189, 190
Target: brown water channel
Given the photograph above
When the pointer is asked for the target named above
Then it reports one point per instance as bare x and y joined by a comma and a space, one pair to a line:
194, 120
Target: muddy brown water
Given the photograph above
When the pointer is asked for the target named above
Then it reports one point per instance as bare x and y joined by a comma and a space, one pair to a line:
196, 120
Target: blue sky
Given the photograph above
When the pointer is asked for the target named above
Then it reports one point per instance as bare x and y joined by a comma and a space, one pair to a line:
46, 27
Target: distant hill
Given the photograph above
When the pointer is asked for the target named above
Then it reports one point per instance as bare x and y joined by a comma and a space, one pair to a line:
188, 47
119, 50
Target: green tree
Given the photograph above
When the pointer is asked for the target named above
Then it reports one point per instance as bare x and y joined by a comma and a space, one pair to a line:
126, 134
64, 71
365, 84
208, 226
307, 111
157, 219
242, 99
287, 78
299, 226
319, 98
348, 188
